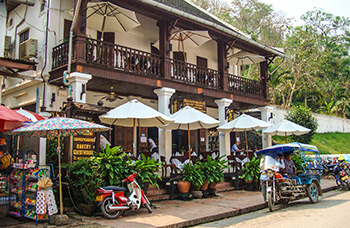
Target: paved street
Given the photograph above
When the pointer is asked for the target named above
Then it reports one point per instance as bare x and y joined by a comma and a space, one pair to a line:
331, 211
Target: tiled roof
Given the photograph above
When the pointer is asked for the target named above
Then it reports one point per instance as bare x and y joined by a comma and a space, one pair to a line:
19, 61
189, 8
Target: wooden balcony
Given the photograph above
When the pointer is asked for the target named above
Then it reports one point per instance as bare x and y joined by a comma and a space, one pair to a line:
120, 58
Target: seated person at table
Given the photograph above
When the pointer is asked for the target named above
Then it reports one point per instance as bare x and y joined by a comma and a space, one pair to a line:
153, 145
235, 150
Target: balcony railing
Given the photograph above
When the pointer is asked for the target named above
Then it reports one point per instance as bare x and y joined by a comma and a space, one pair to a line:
60, 55
193, 74
244, 86
123, 58
135, 61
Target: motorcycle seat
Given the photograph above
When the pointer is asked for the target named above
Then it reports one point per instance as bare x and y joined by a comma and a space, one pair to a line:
114, 188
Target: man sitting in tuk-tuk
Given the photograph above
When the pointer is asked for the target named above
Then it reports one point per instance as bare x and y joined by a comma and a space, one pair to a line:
290, 166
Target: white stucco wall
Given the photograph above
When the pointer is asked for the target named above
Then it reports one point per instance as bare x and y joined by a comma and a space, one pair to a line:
325, 123
139, 38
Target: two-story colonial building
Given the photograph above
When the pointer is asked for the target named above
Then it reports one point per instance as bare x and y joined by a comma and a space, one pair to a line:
166, 53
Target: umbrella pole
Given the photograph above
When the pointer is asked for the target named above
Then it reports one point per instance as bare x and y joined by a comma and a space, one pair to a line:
189, 146
246, 142
133, 138
59, 174
285, 136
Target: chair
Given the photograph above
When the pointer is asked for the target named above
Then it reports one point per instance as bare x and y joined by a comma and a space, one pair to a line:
173, 169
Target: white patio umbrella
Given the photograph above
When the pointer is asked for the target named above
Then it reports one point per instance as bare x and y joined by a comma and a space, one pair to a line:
188, 119
286, 128
135, 114
107, 17
244, 123
187, 38
244, 58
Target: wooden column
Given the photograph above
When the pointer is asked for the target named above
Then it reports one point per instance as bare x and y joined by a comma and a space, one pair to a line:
222, 62
164, 50
79, 42
264, 78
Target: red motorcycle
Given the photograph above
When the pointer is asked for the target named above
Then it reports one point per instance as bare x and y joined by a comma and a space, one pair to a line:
113, 202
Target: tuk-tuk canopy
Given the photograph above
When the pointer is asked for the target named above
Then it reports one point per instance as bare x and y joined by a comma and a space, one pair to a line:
288, 148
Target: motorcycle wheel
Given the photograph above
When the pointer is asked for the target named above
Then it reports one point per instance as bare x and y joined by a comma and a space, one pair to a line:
270, 202
147, 205
108, 201
348, 185
313, 193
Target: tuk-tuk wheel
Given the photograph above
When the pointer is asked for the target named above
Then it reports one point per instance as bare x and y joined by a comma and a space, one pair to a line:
270, 201
313, 193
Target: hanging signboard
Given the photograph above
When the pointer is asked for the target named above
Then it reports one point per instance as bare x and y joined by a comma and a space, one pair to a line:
199, 105
83, 146
180, 103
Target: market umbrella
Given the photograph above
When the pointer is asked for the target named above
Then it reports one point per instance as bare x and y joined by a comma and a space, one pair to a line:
30, 115
135, 114
286, 128
187, 38
244, 123
55, 128
10, 119
244, 58
188, 119
107, 17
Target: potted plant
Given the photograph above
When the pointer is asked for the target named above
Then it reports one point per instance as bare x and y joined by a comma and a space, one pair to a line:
251, 170
191, 175
213, 171
146, 168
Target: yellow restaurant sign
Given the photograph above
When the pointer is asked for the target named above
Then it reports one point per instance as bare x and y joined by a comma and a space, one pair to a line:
83, 146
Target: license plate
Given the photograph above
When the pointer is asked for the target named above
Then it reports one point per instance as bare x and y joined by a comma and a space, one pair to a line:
269, 189
99, 198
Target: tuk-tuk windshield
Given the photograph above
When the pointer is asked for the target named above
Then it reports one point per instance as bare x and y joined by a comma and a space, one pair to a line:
269, 161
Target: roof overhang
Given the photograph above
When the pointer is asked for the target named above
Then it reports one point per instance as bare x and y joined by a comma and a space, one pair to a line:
11, 67
231, 32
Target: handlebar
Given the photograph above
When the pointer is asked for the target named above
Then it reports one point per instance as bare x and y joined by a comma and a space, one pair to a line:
130, 178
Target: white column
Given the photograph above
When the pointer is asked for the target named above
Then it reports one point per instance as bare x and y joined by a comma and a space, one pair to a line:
267, 115
42, 143
206, 140
3, 16
78, 80
164, 136
224, 137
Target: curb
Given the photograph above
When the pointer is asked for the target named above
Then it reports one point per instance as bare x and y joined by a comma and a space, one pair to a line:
216, 217
233, 213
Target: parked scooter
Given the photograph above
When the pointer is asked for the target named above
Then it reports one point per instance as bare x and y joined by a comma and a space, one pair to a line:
328, 167
113, 202
342, 173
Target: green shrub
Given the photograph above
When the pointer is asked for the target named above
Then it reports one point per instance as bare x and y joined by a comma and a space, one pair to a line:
213, 169
110, 166
83, 181
193, 173
251, 170
303, 116
146, 168
298, 161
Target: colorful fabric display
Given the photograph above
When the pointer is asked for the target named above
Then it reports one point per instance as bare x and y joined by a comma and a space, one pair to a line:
45, 202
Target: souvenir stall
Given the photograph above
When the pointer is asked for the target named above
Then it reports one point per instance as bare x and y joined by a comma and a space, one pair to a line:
26, 190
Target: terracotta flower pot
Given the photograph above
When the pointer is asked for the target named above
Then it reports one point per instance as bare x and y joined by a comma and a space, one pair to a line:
205, 186
184, 186
212, 185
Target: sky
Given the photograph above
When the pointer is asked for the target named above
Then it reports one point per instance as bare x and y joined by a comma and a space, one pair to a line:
295, 8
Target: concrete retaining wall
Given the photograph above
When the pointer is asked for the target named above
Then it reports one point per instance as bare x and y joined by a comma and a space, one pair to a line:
325, 123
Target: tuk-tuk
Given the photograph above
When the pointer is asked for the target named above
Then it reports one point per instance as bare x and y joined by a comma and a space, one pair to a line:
278, 188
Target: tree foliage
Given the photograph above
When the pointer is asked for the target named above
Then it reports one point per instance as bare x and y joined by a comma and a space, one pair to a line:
303, 116
316, 72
